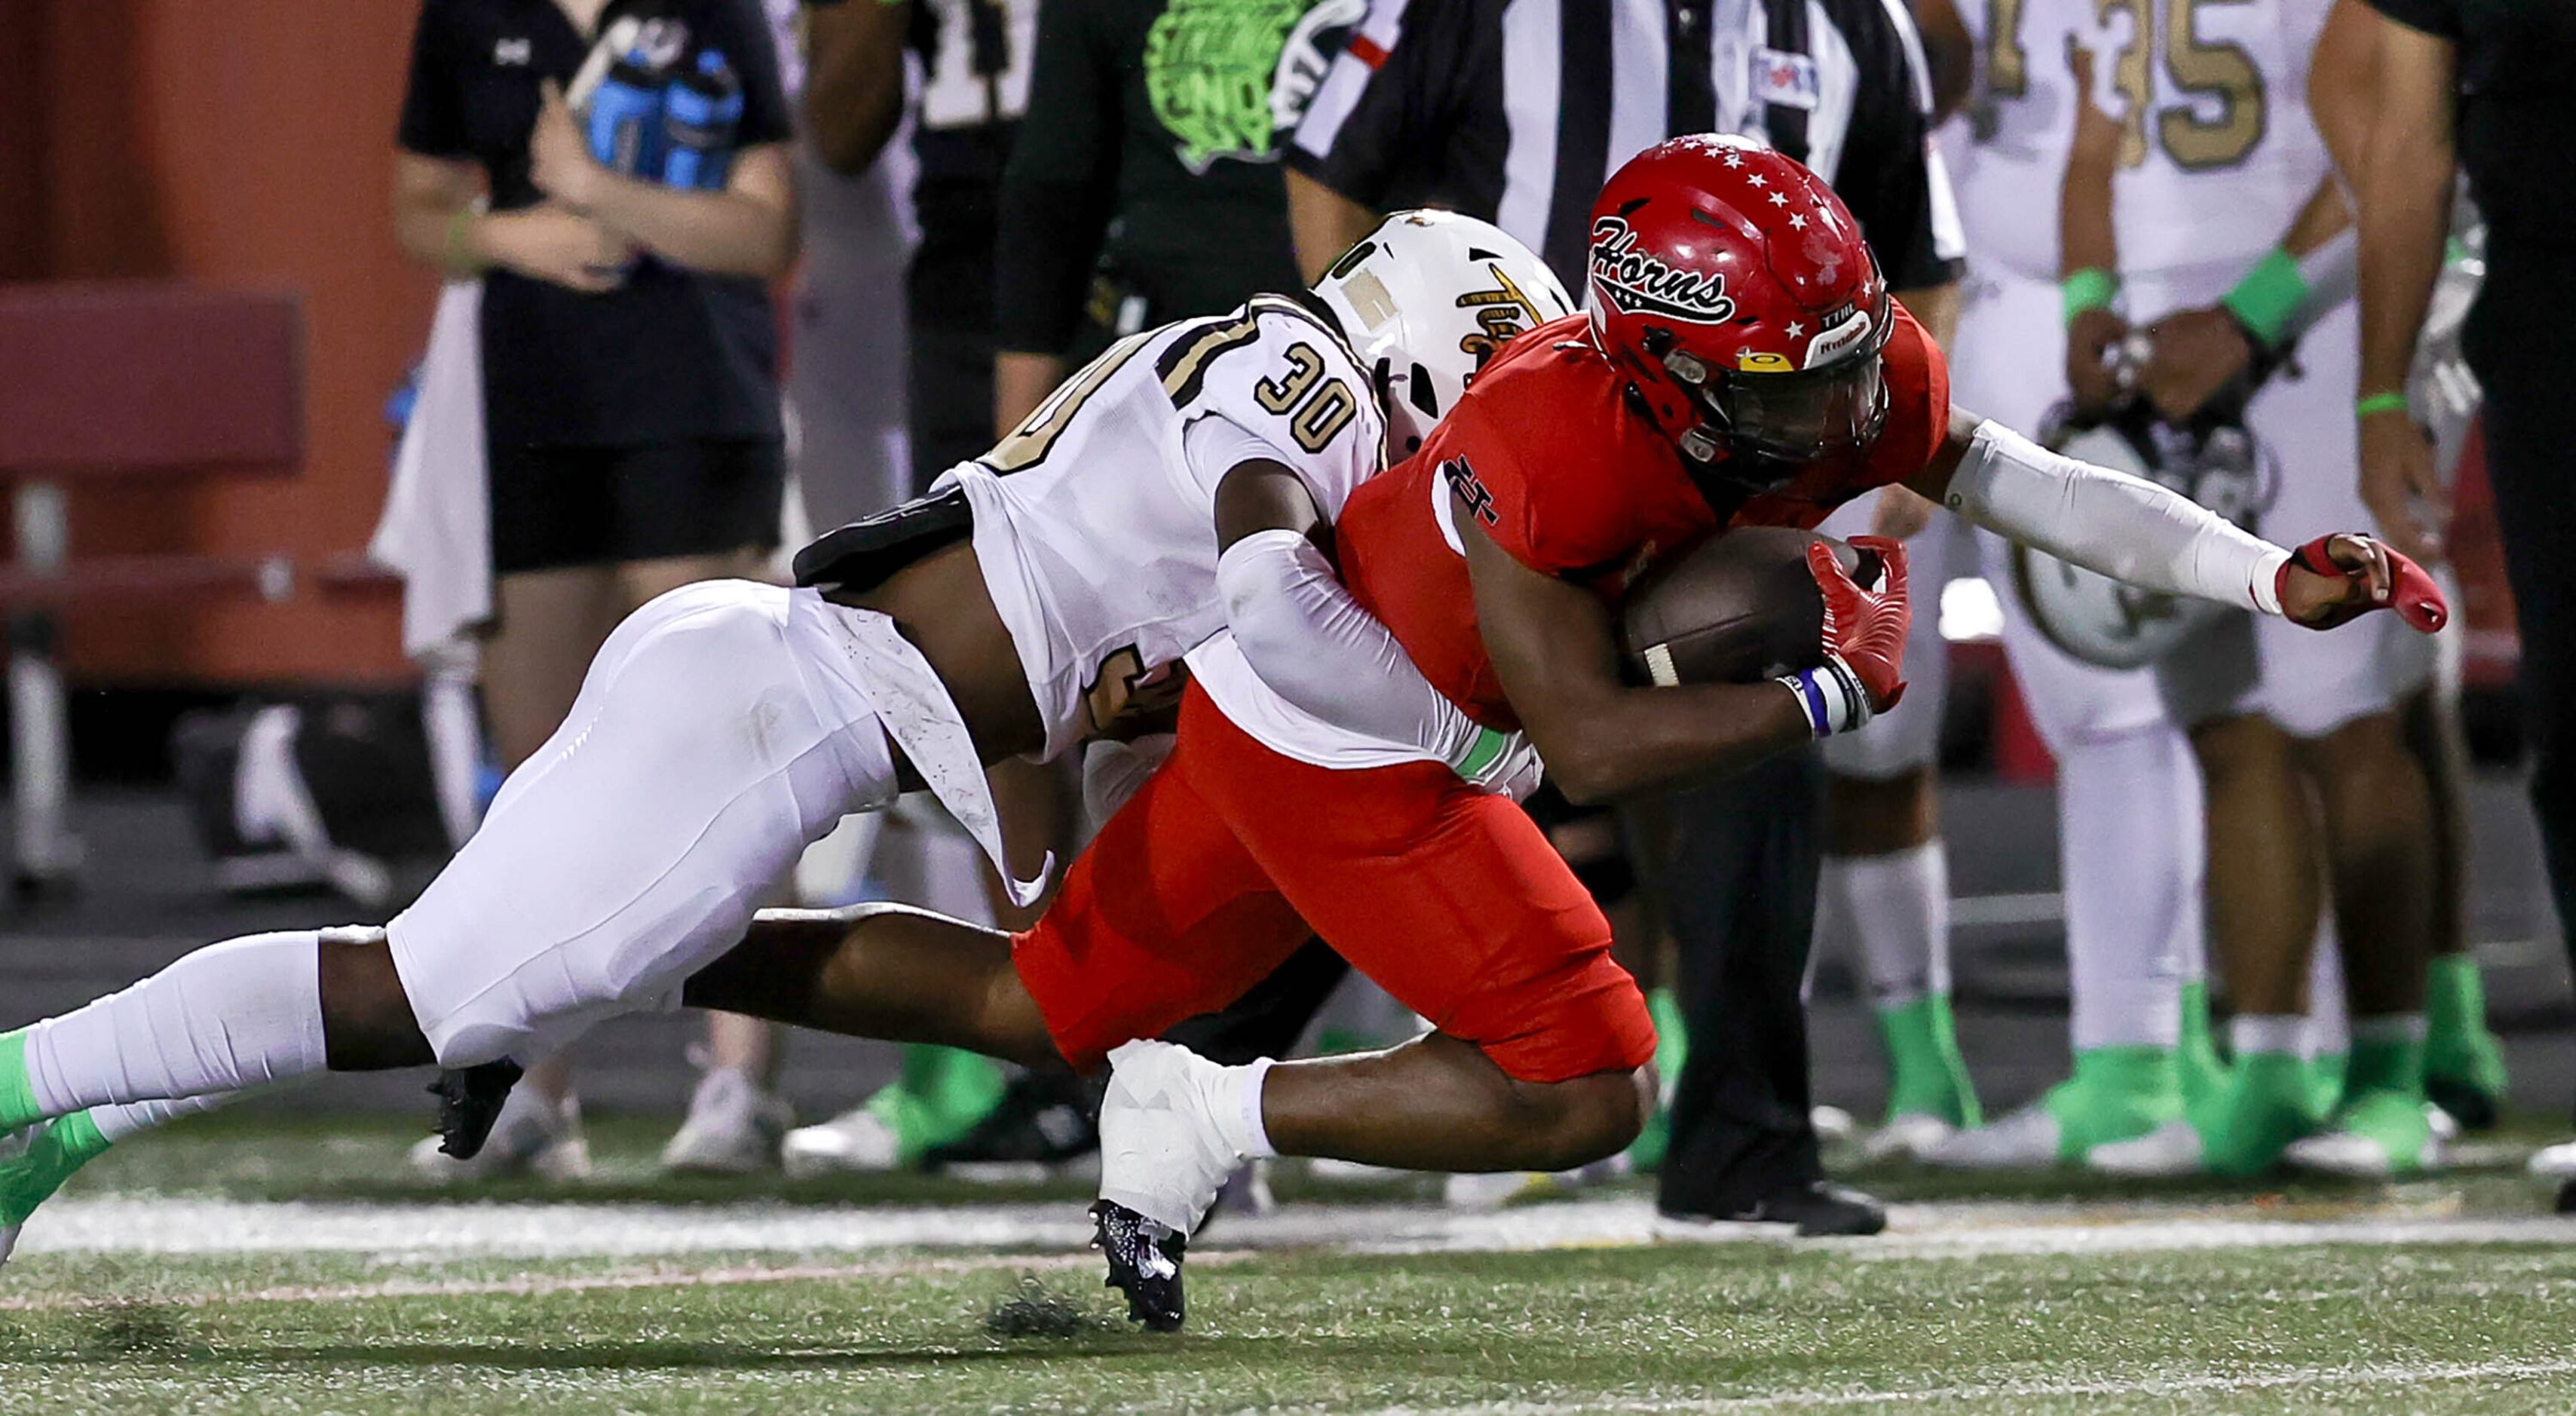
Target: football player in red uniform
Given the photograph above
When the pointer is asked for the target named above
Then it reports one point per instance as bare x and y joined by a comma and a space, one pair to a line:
1742, 364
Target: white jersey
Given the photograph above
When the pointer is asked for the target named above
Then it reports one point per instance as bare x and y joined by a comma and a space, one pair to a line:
2007, 151
1095, 520
2217, 150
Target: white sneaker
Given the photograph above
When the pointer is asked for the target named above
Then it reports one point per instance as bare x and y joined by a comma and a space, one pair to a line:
856, 1140
1164, 1127
532, 1137
2556, 1162
1495, 1190
734, 1127
2173, 1148
2026, 1139
1907, 1137
1351, 1172
1832, 1124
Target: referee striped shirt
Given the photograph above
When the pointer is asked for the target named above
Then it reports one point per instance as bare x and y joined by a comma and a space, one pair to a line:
1518, 110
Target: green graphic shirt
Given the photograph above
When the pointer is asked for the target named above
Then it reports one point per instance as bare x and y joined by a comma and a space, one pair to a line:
1145, 186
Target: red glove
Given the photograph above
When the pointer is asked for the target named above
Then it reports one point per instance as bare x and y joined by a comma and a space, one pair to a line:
1864, 670
2366, 574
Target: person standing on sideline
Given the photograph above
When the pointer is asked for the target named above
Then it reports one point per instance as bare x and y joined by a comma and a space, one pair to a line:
2480, 86
1516, 111
630, 382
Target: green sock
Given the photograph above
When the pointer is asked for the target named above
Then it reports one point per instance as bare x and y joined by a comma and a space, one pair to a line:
17, 1095
57, 1151
2199, 1070
1926, 1075
938, 1096
2326, 1073
2385, 1065
2116, 1094
2270, 1103
2458, 1045
1672, 1049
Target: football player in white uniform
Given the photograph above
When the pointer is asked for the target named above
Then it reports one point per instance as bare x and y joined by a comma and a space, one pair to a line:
2200, 211
2128, 795
1040, 597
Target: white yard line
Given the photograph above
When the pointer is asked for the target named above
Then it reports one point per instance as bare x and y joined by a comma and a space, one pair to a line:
138, 1225
2366, 1375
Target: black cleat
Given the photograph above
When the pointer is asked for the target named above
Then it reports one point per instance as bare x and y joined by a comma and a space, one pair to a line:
1815, 1210
1144, 1263
2566, 1205
469, 1101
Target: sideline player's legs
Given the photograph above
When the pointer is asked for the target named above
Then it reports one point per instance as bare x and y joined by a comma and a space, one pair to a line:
2313, 793
695, 764
1885, 876
2128, 804
2129, 853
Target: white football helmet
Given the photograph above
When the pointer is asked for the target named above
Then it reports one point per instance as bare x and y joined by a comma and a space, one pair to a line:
2103, 621
1424, 300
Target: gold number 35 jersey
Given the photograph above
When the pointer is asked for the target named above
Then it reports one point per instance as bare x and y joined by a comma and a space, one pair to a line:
1095, 520
2217, 152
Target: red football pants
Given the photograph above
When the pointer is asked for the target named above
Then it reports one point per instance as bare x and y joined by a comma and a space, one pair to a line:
1448, 897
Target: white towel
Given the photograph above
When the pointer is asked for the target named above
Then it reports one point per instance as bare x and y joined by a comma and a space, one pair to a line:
436, 531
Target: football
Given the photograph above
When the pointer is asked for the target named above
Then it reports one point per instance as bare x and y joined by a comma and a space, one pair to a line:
1737, 608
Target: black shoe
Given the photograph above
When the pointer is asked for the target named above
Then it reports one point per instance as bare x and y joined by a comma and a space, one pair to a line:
1044, 1120
2567, 1198
1814, 1210
1144, 1263
469, 1101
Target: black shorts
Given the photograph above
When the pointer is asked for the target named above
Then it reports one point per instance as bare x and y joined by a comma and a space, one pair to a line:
557, 507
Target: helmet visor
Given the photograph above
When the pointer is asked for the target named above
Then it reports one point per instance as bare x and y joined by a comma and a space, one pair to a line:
1805, 416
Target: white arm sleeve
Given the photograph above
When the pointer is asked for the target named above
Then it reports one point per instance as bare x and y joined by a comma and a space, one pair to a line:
2121, 526
1318, 648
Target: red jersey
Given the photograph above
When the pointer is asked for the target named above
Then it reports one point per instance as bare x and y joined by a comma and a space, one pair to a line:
1567, 475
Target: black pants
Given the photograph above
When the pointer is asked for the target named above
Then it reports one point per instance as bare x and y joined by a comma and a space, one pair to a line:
2523, 347
1736, 879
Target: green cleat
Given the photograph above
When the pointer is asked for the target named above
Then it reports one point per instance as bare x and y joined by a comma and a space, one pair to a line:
38, 1159
2464, 1069
1672, 1050
2117, 1096
2271, 1104
2380, 1133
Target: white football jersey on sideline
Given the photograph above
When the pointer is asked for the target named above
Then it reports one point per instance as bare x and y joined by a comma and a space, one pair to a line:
2217, 150
1095, 531
2007, 150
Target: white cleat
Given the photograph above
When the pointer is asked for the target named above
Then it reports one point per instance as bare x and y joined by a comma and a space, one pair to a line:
734, 1127
1494, 1190
533, 1137
1164, 1151
1351, 1172
2556, 1162
2027, 1139
857, 1140
2356, 1153
1907, 1138
2173, 1148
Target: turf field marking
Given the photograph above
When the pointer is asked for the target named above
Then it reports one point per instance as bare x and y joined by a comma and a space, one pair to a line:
538, 1285
539, 1230
2378, 1374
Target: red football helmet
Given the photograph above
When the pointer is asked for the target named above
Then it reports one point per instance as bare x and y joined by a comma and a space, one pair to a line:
1735, 288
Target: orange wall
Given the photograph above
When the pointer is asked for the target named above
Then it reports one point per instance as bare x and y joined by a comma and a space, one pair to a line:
244, 144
